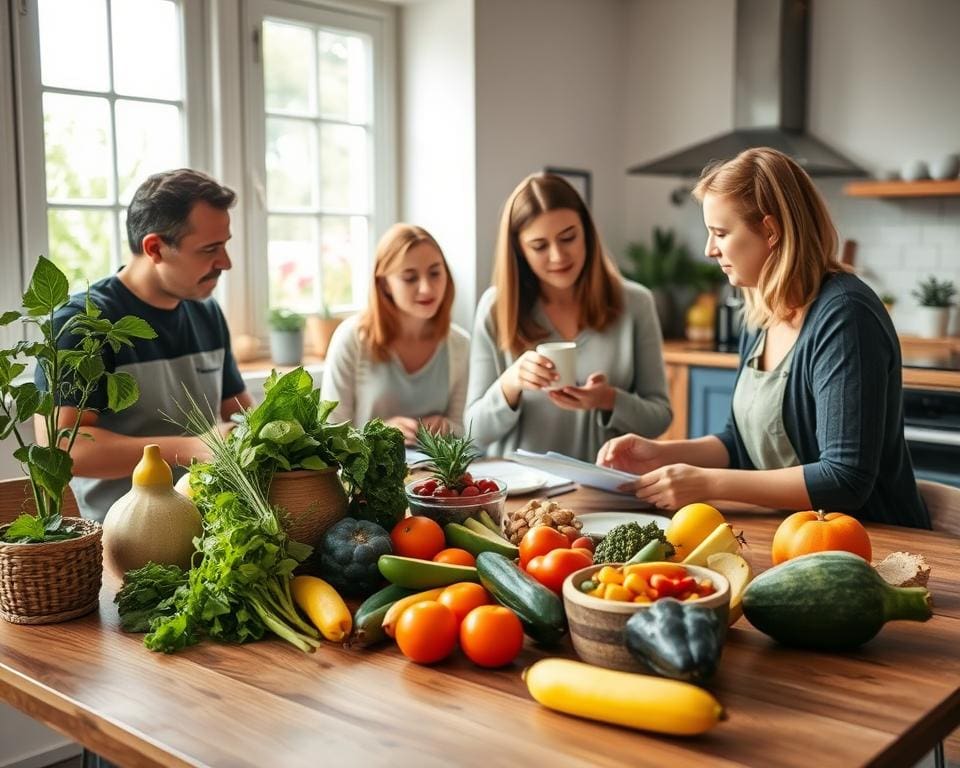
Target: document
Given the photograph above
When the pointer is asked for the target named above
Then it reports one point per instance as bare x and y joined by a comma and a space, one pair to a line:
582, 472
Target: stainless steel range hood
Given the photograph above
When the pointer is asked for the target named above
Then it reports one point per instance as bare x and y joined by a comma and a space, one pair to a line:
770, 97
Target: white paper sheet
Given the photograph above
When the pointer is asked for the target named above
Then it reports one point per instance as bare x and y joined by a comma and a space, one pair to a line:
582, 472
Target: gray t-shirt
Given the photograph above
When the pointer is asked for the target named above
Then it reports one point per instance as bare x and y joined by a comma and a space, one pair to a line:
629, 351
368, 388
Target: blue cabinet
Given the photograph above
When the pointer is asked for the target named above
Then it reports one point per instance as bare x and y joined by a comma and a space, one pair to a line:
711, 395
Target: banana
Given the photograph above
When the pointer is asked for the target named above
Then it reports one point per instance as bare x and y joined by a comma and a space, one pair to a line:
622, 698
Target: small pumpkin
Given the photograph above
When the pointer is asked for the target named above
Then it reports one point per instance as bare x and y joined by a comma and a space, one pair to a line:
803, 533
151, 522
348, 556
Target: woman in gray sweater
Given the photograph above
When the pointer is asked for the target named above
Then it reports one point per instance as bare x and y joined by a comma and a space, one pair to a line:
552, 281
818, 404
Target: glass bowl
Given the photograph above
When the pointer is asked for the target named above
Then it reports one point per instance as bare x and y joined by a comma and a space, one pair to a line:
456, 509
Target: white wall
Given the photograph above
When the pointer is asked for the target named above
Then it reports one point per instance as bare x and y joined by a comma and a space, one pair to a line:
437, 128
550, 91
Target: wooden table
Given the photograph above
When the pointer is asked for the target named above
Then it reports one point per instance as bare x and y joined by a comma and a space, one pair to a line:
267, 704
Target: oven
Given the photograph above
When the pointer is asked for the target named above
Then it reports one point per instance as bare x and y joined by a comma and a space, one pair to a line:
932, 429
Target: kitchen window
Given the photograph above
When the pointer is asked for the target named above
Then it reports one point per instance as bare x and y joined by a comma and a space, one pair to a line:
102, 106
319, 119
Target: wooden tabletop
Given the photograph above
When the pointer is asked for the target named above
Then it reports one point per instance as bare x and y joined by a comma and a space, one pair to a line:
268, 704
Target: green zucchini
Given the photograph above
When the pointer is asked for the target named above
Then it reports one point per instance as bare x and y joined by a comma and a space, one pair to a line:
540, 610
417, 574
828, 600
476, 541
368, 620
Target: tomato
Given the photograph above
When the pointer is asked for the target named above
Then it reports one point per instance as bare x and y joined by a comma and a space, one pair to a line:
455, 556
487, 486
540, 540
584, 550
583, 542
552, 568
691, 525
463, 597
418, 537
470, 490
445, 492
491, 636
427, 632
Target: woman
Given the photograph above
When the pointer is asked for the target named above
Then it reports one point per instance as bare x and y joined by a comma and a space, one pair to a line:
402, 359
817, 406
552, 281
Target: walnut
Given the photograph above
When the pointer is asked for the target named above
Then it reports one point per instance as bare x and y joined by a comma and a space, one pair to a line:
540, 512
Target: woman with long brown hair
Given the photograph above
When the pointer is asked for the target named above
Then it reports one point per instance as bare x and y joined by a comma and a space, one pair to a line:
402, 359
553, 282
818, 404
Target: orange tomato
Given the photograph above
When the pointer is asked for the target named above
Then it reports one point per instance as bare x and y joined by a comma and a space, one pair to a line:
454, 556
538, 541
491, 636
418, 537
463, 597
427, 632
805, 532
552, 568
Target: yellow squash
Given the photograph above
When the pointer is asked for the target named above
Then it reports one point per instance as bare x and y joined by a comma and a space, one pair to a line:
691, 525
324, 606
723, 539
622, 698
396, 610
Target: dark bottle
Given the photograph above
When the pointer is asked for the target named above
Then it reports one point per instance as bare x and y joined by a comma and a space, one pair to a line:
729, 320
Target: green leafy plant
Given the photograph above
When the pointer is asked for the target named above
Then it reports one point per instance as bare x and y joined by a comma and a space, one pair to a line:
667, 263
285, 320
935, 293
888, 298
73, 375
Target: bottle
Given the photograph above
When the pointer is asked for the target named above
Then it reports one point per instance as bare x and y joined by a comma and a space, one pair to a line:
729, 320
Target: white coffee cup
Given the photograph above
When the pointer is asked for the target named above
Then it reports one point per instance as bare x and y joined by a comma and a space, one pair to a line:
563, 355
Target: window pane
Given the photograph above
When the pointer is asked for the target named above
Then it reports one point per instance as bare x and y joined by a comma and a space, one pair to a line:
77, 140
149, 139
288, 68
138, 71
73, 44
344, 77
343, 255
292, 263
81, 244
291, 159
344, 173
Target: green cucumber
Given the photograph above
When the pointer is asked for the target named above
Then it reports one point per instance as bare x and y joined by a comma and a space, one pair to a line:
485, 518
651, 552
411, 573
828, 600
475, 542
368, 620
540, 610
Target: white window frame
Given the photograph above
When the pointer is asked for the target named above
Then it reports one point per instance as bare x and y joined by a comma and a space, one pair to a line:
374, 20
32, 187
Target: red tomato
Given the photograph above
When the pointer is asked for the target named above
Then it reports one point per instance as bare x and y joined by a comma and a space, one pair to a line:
552, 568
583, 542
540, 540
455, 556
427, 632
491, 636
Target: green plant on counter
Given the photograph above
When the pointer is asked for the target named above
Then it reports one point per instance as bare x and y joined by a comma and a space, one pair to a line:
888, 298
667, 263
935, 293
74, 375
285, 320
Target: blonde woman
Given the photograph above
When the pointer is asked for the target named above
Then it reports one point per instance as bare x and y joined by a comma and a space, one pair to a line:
817, 407
402, 359
552, 281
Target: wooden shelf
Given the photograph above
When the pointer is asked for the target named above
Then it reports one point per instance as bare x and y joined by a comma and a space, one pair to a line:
903, 188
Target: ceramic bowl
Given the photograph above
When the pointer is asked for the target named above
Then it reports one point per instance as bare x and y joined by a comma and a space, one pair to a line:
456, 509
596, 625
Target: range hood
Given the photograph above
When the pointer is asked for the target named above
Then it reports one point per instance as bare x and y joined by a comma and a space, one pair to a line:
770, 97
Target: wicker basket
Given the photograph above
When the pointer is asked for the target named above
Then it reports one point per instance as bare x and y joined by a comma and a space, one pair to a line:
313, 500
54, 581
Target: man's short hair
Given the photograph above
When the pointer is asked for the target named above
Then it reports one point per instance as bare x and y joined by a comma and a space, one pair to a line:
162, 205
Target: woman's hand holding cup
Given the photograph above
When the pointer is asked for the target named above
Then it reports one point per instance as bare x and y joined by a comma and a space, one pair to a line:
596, 394
529, 371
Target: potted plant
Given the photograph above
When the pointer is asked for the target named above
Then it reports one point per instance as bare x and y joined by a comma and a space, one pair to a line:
888, 300
56, 562
321, 327
935, 298
286, 336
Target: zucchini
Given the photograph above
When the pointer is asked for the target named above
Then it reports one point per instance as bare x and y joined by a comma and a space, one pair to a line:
417, 574
828, 600
476, 541
368, 620
540, 610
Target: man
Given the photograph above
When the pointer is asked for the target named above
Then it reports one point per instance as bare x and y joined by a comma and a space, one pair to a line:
178, 226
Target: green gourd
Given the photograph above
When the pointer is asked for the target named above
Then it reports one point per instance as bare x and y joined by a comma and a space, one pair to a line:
829, 601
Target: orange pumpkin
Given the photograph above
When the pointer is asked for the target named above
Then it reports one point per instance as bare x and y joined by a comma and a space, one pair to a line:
805, 532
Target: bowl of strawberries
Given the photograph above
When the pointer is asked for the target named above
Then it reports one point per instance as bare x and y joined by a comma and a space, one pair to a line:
450, 493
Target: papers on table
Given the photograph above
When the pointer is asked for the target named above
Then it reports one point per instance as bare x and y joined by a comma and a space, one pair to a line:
521, 480
582, 472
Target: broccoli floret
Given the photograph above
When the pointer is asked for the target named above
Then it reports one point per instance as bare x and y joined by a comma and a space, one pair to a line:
624, 541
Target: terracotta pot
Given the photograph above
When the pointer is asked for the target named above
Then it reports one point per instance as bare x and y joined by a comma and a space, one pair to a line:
312, 499
319, 331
